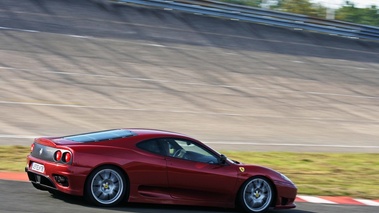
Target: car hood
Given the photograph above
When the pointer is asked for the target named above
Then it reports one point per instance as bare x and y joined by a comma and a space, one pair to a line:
246, 171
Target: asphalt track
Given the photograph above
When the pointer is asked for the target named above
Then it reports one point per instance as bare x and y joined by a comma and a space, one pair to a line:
22, 197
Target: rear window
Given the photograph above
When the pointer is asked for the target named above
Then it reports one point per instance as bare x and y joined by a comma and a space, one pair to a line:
100, 136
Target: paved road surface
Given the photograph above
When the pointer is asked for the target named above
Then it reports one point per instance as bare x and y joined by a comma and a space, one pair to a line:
22, 197
74, 66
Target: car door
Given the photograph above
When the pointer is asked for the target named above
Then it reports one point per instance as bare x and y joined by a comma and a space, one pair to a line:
196, 174
148, 173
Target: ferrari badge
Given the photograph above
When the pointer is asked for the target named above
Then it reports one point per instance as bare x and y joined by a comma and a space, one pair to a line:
242, 169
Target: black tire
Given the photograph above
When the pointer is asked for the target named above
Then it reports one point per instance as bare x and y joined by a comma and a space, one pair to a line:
106, 186
256, 195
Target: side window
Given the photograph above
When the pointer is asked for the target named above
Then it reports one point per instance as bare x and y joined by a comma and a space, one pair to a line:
150, 146
190, 151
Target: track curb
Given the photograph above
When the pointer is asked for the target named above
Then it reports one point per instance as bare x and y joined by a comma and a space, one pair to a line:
338, 200
16, 176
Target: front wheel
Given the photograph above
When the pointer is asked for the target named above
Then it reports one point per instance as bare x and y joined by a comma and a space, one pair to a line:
256, 195
106, 186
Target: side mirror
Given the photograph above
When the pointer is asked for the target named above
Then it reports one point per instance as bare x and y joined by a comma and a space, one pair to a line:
222, 159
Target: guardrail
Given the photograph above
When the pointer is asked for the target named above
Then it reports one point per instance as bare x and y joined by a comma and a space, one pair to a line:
263, 16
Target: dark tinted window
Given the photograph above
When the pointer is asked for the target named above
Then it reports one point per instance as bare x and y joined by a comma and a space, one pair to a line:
187, 150
150, 146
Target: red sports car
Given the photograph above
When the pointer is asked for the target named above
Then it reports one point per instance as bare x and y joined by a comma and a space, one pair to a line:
153, 166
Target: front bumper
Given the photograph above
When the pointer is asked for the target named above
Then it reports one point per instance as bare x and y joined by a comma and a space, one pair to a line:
286, 195
65, 178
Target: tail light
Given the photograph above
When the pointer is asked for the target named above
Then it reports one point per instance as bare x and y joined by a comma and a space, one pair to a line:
58, 155
32, 148
62, 156
66, 157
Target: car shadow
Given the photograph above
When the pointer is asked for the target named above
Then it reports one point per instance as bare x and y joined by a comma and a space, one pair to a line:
149, 208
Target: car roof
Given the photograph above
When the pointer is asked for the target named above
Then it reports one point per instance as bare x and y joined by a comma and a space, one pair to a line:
113, 134
155, 132
100, 135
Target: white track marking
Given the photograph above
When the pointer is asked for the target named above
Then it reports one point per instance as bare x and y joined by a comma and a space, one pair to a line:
368, 202
196, 83
291, 144
155, 45
118, 108
6, 28
312, 199
78, 36
179, 111
208, 33
17, 29
19, 136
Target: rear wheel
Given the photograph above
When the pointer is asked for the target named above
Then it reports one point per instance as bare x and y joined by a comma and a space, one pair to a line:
256, 195
106, 186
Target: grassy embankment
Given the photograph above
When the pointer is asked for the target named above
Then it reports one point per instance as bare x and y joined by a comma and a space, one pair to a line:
355, 175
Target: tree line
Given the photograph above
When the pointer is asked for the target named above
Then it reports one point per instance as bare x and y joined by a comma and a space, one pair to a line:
347, 12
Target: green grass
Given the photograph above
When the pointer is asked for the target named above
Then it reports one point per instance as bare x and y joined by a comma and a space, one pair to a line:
13, 158
355, 175
341, 174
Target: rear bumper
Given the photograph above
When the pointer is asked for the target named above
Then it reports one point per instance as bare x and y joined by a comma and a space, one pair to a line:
51, 179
